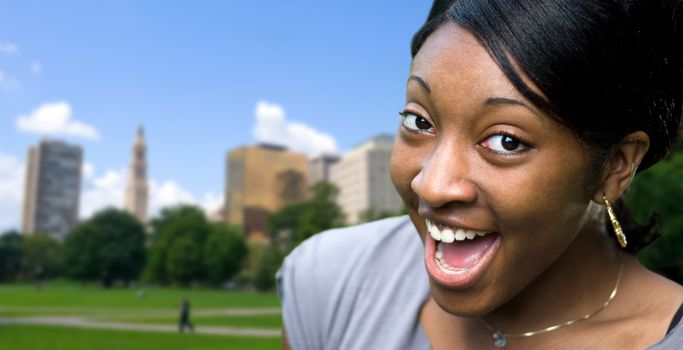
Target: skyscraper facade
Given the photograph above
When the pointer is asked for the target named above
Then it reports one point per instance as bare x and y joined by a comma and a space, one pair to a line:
362, 176
137, 189
52, 188
261, 180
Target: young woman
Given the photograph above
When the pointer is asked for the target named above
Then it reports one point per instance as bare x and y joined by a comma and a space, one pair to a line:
524, 124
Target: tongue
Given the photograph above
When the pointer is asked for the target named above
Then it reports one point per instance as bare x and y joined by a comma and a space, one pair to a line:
465, 254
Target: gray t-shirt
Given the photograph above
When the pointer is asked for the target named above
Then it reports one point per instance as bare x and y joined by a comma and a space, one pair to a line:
362, 287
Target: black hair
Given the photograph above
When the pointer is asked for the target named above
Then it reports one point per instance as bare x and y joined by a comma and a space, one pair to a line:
607, 68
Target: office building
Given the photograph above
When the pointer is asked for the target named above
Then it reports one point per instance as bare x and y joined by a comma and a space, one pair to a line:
362, 176
261, 180
319, 168
52, 188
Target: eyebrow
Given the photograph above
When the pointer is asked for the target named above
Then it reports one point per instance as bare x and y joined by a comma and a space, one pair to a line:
420, 81
493, 101
490, 101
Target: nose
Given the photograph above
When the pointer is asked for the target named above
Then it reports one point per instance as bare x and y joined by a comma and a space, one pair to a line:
444, 179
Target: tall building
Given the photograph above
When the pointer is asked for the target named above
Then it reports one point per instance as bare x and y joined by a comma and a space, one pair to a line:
52, 188
261, 180
362, 176
319, 168
137, 190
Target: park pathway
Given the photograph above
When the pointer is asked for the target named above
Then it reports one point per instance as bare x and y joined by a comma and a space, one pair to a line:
85, 322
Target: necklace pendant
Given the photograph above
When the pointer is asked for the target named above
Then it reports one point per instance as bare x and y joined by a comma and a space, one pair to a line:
499, 340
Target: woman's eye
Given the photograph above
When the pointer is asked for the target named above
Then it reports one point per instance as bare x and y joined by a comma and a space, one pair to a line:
415, 123
504, 144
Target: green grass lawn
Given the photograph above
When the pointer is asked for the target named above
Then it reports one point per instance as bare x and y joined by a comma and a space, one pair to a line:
157, 306
250, 321
62, 338
64, 294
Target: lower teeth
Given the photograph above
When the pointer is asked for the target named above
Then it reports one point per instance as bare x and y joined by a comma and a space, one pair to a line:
442, 265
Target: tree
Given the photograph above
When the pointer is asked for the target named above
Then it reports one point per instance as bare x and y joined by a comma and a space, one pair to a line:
264, 276
295, 223
42, 257
180, 220
109, 247
80, 253
285, 226
188, 224
292, 225
11, 253
224, 253
184, 261
322, 213
661, 188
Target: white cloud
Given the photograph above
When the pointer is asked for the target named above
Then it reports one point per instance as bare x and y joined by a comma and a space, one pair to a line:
101, 192
11, 192
36, 67
88, 171
8, 48
168, 194
109, 189
272, 126
55, 119
212, 202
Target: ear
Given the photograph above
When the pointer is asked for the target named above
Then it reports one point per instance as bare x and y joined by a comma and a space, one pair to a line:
621, 166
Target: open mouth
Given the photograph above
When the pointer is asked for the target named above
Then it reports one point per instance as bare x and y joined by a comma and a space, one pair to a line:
456, 257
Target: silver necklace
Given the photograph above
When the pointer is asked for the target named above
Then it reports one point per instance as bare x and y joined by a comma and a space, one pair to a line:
500, 338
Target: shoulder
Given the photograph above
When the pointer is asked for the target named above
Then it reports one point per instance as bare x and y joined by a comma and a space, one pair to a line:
673, 340
338, 243
345, 254
338, 286
650, 302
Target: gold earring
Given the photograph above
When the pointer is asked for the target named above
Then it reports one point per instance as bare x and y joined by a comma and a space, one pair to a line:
621, 237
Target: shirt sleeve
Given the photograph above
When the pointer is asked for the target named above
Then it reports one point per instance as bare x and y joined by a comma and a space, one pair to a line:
297, 291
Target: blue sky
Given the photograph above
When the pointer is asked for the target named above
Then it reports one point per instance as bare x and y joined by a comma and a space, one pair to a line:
203, 77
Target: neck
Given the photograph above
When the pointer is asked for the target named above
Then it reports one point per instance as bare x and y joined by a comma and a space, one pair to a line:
576, 284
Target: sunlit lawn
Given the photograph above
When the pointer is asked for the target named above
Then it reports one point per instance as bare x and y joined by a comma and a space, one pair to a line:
129, 305
63, 338
64, 294
250, 321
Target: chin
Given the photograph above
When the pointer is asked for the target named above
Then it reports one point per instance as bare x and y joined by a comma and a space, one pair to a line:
462, 303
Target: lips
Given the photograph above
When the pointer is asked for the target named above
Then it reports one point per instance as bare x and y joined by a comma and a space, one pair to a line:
457, 257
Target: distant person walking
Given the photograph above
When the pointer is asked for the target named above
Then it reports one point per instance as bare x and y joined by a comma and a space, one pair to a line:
185, 316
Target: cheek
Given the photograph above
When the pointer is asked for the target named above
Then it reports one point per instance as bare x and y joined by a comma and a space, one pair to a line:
540, 195
539, 212
404, 166
539, 215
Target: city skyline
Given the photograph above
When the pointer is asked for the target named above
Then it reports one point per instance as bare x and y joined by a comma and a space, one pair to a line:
302, 75
285, 179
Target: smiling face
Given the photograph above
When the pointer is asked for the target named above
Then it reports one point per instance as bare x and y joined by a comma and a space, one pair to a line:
473, 154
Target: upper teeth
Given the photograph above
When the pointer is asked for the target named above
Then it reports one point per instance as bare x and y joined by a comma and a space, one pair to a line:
448, 235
